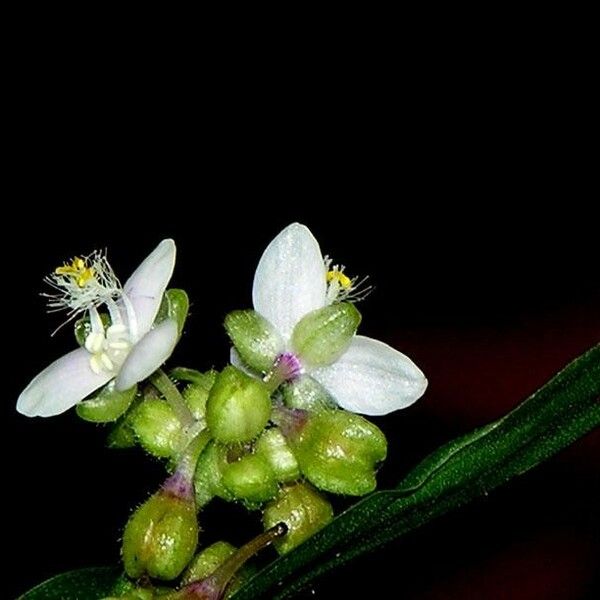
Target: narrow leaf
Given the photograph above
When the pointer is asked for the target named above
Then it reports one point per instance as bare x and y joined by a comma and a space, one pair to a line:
563, 410
83, 584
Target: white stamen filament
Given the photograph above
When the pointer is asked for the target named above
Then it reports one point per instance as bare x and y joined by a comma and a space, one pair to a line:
108, 349
115, 313
131, 318
76, 295
84, 285
106, 362
354, 291
94, 342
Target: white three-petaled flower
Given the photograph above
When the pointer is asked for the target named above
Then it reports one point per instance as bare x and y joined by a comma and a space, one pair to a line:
291, 280
129, 350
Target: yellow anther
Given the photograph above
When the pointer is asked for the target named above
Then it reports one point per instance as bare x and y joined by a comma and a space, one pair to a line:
77, 270
340, 277
86, 275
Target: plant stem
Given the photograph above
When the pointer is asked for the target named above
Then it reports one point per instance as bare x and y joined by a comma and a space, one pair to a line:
189, 459
161, 381
214, 586
181, 483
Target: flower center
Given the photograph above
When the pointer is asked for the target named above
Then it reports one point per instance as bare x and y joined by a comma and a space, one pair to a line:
287, 367
341, 288
339, 277
78, 270
82, 283
109, 348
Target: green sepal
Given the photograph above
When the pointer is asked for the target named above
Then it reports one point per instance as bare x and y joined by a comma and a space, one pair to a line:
107, 405
323, 335
308, 394
175, 305
255, 339
186, 375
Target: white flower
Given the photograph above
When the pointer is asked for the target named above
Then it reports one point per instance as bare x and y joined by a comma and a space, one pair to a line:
293, 279
129, 350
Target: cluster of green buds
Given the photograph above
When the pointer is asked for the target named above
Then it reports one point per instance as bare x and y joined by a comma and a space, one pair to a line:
277, 430
275, 443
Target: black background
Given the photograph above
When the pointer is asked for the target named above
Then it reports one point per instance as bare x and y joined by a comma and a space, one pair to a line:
468, 201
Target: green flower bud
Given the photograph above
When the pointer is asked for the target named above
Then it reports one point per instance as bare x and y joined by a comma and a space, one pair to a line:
308, 394
208, 479
161, 536
223, 580
207, 561
175, 305
254, 338
121, 435
196, 393
107, 405
157, 428
338, 452
273, 448
238, 407
250, 479
323, 335
302, 509
128, 590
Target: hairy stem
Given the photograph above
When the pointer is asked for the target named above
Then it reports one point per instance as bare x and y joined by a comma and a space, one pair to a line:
161, 381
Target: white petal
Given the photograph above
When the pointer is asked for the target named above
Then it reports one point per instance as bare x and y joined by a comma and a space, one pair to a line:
60, 386
148, 354
145, 288
372, 378
290, 279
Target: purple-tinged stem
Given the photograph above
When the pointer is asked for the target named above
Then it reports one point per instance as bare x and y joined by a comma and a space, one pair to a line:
215, 585
181, 483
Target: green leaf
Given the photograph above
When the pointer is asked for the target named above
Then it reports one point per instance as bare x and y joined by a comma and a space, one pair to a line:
563, 410
83, 584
